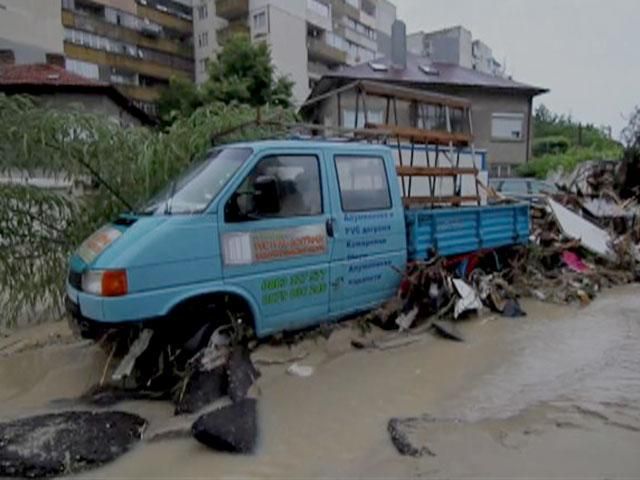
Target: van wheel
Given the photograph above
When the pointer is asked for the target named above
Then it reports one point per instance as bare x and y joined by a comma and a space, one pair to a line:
199, 318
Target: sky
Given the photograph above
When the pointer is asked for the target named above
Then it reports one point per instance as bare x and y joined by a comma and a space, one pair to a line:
587, 52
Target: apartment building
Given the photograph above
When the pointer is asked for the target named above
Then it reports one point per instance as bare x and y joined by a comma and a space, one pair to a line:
308, 38
455, 46
136, 45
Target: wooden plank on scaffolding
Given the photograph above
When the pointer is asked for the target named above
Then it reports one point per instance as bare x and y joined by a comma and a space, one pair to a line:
430, 201
407, 171
419, 135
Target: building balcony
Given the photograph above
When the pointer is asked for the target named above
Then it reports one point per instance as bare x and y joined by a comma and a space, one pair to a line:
141, 93
360, 39
320, 51
317, 70
239, 27
342, 8
232, 9
115, 32
133, 64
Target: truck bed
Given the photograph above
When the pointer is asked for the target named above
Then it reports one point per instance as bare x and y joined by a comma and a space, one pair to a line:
459, 230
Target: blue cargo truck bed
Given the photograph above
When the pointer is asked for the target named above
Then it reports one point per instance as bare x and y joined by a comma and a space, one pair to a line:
460, 230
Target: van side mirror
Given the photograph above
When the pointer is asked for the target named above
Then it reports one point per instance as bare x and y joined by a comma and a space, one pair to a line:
267, 197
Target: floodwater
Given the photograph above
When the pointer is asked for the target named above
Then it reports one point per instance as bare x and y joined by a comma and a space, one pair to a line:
554, 394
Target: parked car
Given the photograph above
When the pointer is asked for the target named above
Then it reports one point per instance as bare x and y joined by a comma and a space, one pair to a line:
525, 189
285, 234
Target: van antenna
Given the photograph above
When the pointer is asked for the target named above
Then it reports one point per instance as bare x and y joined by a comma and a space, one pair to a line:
105, 184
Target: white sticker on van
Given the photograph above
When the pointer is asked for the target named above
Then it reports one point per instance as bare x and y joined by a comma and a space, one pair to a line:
245, 248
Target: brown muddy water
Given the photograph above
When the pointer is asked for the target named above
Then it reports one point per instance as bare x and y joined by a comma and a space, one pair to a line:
556, 394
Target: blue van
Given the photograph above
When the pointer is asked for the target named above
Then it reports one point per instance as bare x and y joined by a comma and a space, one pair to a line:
279, 234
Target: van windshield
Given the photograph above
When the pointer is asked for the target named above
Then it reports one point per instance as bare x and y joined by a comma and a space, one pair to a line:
194, 190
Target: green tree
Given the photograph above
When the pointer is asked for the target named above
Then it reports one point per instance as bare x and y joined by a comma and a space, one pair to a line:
561, 143
180, 99
242, 73
39, 227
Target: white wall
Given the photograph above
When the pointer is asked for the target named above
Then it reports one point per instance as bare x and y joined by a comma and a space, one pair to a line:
287, 37
35, 25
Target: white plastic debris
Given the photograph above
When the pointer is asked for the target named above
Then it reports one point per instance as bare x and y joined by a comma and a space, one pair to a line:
469, 299
405, 320
300, 370
137, 348
574, 226
216, 352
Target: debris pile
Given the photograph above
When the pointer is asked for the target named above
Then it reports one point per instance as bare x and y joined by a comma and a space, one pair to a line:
432, 298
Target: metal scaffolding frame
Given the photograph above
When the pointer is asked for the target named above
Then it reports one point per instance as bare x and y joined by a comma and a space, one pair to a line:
447, 143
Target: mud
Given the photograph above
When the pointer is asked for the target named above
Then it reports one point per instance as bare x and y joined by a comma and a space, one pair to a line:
553, 394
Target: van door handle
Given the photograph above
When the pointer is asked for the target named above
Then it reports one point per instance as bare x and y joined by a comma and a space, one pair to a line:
329, 225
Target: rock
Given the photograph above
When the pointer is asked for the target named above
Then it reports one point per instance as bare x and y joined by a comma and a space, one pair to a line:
242, 373
403, 436
203, 388
229, 429
64, 443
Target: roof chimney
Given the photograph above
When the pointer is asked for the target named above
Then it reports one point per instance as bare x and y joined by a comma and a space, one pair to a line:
55, 59
399, 45
7, 57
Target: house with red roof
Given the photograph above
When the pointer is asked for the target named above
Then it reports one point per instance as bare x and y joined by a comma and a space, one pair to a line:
58, 88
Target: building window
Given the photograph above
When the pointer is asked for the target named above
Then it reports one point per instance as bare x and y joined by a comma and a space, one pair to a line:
319, 8
202, 64
260, 22
349, 118
203, 11
203, 39
85, 69
363, 184
507, 126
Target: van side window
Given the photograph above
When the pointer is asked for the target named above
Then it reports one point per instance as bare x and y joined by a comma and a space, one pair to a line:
279, 186
363, 183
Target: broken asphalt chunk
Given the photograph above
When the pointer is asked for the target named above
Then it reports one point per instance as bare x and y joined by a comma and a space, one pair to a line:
404, 433
242, 373
448, 330
512, 309
233, 428
65, 443
202, 389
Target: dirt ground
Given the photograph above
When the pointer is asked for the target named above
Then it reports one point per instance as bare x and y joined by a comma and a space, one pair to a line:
553, 395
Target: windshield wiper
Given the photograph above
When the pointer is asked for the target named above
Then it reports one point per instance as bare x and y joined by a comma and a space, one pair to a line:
172, 192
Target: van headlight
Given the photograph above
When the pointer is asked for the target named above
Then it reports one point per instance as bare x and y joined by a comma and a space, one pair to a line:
105, 283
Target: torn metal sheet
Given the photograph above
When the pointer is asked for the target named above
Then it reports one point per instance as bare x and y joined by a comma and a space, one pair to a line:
137, 348
469, 299
574, 226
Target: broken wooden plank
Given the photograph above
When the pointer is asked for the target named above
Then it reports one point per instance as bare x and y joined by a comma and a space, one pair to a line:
422, 201
419, 135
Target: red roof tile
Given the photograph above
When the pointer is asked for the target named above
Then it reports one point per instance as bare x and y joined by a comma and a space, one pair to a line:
43, 74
